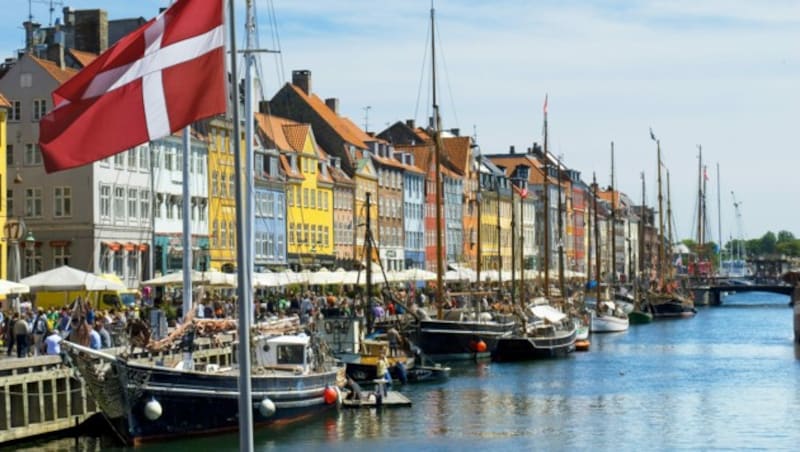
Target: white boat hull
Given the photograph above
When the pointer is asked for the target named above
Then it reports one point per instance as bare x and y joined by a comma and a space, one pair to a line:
608, 323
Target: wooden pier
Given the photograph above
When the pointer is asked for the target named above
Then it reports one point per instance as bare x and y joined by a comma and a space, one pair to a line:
41, 395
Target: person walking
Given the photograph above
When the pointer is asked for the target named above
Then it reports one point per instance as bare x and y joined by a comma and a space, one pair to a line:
8, 331
21, 337
39, 330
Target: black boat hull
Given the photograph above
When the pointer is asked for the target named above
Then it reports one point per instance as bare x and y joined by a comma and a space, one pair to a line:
525, 348
450, 340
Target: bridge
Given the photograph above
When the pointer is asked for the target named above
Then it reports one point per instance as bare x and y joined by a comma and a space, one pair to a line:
715, 292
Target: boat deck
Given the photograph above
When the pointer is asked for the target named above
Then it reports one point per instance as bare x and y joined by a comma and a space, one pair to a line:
392, 399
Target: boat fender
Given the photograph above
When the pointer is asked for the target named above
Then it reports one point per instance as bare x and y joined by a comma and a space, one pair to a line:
152, 410
266, 407
478, 346
331, 395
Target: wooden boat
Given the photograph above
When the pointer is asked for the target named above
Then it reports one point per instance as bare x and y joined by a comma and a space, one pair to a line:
292, 379
546, 333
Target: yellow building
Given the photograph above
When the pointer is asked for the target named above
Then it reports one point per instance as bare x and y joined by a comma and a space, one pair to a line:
309, 191
221, 195
5, 107
366, 180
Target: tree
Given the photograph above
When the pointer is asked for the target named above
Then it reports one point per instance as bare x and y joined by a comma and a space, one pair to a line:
768, 243
785, 237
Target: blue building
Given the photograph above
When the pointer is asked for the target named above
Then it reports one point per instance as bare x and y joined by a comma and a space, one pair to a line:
413, 211
269, 211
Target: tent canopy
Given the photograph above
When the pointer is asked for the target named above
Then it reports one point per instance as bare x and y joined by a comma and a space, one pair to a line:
11, 287
66, 278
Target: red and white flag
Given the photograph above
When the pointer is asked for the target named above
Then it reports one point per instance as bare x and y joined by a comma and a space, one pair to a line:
160, 78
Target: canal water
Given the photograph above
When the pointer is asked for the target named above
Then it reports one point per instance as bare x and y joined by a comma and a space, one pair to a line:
729, 379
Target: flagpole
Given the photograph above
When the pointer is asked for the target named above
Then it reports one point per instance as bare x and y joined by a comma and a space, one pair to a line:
187, 232
244, 293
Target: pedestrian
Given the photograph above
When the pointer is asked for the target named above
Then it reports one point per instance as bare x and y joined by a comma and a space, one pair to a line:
105, 336
21, 337
394, 340
39, 331
53, 343
8, 331
95, 342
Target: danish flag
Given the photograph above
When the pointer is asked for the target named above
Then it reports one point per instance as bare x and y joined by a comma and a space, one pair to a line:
160, 78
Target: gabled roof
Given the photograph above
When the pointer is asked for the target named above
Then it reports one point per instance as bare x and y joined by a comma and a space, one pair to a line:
423, 155
339, 176
456, 151
509, 162
329, 116
84, 58
296, 135
287, 168
4, 103
60, 75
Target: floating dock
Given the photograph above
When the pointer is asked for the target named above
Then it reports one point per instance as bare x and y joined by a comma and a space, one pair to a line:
392, 399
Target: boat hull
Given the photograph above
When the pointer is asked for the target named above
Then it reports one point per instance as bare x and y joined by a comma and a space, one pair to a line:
451, 340
669, 309
609, 324
639, 317
524, 348
148, 403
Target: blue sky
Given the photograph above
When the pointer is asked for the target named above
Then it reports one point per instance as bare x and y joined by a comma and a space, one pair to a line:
720, 73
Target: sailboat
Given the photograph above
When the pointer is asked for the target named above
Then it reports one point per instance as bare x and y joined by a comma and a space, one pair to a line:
664, 300
638, 315
606, 316
543, 331
293, 376
456, 334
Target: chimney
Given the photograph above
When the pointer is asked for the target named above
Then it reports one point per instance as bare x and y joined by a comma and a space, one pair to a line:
55, 53
302, 79
30, 29
333, 104
410, 123
263, 107
511, 149
91, 30
455, 132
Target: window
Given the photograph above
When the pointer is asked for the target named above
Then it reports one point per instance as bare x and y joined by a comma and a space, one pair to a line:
156, 158
231, 185
179, 160
144, 157
39, 109
119, 203
223, 239
119, 260
33, 261
105, 201
10, 202
32, 155
132, 159
313, 198
119, 160
305, 198
320, 198
9, 155
133, 263
33, 202
270, 207
133, 203
214, 183
291, 233
170, 204
231, 236
279, 207
61, 256
201, 210
144, 204
62, 202
16, 109
214, 234
169, 159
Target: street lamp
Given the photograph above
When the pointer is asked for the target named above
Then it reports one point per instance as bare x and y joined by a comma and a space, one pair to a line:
30, 246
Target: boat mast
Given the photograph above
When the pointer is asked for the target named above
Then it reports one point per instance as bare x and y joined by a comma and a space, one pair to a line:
596, 239
613, 227
660, 263
719, 220
478, 199
522, 291
669, 227
641, 230
589, 248
438, 177
243, 186
699, 200
560, 235
546, 171
368, 252
513, 244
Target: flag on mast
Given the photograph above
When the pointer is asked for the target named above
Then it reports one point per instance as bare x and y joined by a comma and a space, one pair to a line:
156, 80
544, 107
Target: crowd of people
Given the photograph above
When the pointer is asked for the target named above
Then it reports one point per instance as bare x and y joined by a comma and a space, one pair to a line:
34, 333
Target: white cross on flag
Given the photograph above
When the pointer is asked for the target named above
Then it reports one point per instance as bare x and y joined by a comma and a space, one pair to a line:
160, 78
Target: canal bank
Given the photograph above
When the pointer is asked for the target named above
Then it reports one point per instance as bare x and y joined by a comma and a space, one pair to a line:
729, 378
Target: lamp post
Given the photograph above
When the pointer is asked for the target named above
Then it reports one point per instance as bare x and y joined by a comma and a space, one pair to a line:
30, 247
